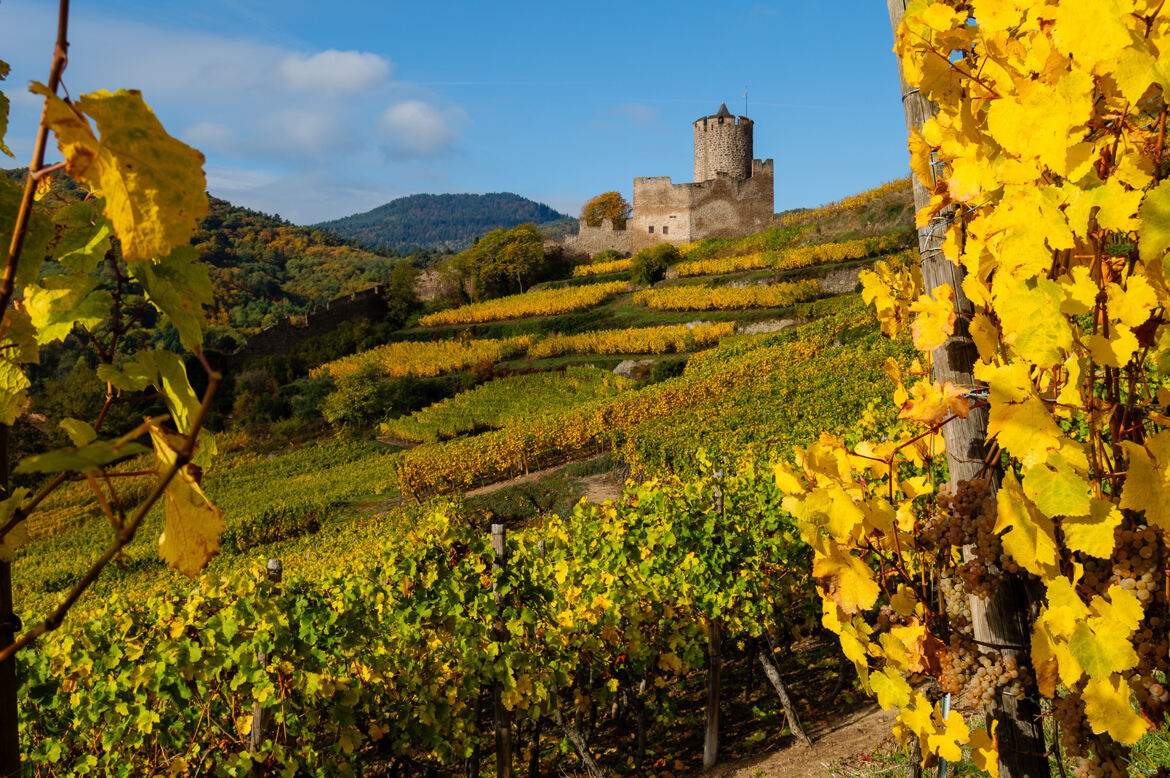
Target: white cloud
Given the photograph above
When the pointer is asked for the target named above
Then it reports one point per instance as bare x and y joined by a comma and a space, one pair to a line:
334, 72
209, 135
413, 128
297, 131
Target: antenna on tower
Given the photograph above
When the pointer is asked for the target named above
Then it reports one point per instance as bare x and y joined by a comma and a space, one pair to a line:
745, 112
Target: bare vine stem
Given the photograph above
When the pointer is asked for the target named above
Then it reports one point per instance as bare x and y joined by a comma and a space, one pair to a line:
20, 229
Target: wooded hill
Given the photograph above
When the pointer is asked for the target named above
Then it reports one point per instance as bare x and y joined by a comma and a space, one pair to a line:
444, 222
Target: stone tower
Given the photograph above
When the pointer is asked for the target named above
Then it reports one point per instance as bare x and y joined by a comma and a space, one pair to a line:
723, 144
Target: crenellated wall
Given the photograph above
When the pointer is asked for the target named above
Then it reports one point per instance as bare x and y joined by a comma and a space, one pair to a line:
282, 336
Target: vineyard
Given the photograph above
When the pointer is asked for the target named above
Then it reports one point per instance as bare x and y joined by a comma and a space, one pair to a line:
484, 550
539, 303
424, 358
506, 402
706, 298
602, 268
639, 340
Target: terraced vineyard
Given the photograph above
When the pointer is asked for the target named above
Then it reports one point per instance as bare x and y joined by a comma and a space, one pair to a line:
348, 516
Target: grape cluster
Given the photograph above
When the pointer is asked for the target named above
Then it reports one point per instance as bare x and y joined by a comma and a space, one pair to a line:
966, 519
976, 677
956, 603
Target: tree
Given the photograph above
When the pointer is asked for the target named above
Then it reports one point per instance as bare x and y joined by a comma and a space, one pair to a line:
607, 205
503, 261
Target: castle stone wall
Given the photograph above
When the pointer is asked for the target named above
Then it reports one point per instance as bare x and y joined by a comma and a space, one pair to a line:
282, 336
732, 195
723, 144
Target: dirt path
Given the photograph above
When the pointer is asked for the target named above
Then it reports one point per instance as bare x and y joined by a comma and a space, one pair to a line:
841, 748
535, 475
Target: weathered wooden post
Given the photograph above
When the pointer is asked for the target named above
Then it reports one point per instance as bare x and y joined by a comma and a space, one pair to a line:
714, 671
503, 718
260, 721
1004, 619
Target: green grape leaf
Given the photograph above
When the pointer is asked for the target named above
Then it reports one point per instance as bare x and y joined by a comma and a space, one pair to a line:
60, 302
1154, 232
83, 236
134, 376
81, 458
179, 286
153, 184
1057, 488
78, 431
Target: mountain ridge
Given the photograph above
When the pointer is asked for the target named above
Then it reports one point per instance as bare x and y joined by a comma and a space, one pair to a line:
444, 222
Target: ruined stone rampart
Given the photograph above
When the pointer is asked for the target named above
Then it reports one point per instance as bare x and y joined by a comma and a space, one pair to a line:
282, 336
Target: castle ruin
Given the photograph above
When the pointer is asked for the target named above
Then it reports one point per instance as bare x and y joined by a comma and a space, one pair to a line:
732, 195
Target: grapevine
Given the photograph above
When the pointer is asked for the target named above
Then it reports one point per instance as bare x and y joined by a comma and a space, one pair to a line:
1053, 167
538, 303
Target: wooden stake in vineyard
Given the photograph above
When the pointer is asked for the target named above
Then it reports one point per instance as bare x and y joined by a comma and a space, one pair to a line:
1003, 620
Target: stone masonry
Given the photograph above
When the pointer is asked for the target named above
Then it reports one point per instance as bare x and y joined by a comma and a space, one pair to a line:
732, 195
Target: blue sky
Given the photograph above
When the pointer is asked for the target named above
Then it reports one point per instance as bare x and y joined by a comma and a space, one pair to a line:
315, 110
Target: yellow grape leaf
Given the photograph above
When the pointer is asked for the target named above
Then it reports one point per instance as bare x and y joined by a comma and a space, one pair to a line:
18, 536
60, 302
1108, 709
891, 688
917, 720
786, 480
986, 337
985, 749
931, 403
1115, 350
946, 742
1133, 305
1092, 534
936, 318
1154, 232
1057, 488
1114, 206
1032, 322
920, 159
1145, 482
1090, 30
1078, 291
1018, 419
846, 579
904, 601
193, 523
1030, 536
153, 184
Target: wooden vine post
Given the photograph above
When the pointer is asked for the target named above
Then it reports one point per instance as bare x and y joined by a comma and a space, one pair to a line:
1003, 620
714, 673
501, 716
260, 719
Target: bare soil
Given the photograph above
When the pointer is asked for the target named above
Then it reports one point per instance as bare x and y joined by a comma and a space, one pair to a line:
843, 747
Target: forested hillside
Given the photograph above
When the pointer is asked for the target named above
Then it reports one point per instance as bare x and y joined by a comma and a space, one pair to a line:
444, 222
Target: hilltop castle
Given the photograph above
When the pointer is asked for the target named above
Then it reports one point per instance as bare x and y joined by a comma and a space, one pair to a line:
732, 195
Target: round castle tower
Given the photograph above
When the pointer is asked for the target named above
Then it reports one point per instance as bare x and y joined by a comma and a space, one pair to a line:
723, 144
